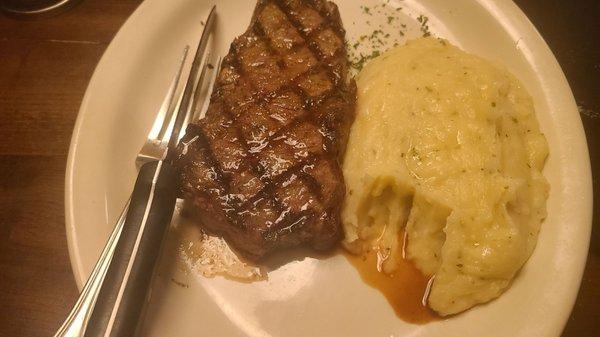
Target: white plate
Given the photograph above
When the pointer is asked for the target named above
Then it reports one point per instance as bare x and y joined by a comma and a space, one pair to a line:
323, 297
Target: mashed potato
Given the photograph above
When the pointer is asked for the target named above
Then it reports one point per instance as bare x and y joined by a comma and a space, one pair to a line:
447, 149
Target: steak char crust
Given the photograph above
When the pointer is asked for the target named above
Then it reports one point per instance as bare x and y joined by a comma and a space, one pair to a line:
262, 168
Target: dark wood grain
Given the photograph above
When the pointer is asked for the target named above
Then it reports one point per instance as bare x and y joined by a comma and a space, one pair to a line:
45, 66
44, 69
36, 282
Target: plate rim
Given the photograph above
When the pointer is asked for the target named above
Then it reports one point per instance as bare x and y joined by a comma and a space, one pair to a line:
513, 17
72, 244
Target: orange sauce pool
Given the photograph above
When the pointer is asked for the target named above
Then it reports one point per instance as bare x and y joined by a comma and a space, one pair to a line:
404, 289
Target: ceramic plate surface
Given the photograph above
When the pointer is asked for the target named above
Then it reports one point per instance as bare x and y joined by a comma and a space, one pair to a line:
325, 297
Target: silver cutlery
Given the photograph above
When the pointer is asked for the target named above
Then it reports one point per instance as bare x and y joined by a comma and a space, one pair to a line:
113, 298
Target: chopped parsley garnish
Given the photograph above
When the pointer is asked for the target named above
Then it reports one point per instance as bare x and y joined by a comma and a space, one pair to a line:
369, 46
423, 20
362, 59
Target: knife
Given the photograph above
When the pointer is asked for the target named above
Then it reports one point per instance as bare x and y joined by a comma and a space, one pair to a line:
114, 297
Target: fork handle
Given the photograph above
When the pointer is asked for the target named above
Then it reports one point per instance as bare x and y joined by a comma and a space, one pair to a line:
125, 288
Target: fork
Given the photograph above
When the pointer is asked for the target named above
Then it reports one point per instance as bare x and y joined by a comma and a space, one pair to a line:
158, 138
111, 302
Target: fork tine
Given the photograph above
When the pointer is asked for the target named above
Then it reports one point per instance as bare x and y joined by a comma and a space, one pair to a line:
166, 129
152, 149
184, 108
196, 96
209, 89
163, 118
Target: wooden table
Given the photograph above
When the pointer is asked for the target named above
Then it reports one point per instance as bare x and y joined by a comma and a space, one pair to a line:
45, 66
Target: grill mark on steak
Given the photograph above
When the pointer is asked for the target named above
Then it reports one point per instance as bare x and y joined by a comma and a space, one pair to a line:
262, 168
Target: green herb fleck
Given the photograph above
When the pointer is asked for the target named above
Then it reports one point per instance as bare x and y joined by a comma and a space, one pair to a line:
423, 20
363, 59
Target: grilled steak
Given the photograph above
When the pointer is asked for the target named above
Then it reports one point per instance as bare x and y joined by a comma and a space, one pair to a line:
262, 168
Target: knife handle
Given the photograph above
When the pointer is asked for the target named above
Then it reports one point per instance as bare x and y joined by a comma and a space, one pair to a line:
125, 287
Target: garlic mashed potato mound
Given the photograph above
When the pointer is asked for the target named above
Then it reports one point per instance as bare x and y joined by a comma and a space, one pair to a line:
445, 148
